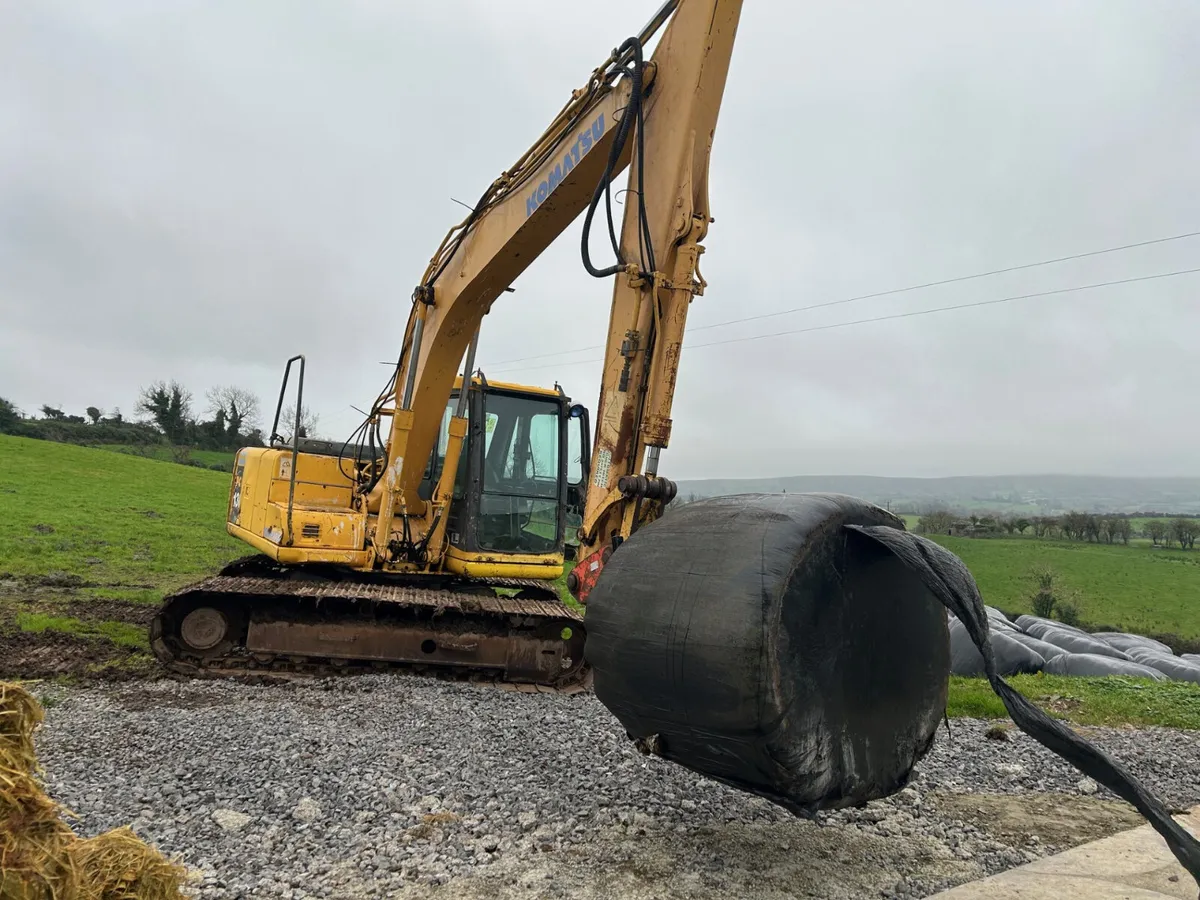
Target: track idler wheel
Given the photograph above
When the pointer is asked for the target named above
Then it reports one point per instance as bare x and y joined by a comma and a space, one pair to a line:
204, 628
196, 629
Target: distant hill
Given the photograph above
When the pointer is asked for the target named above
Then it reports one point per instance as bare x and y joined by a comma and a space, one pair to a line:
1035, 494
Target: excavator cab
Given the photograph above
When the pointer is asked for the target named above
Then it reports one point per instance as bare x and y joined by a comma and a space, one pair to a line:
522, 474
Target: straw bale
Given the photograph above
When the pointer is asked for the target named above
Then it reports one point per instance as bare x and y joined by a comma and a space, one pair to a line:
41, 857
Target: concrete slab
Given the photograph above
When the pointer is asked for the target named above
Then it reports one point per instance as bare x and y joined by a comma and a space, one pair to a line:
1132, 865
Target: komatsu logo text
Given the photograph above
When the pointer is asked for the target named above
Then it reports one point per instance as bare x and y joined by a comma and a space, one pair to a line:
583, 143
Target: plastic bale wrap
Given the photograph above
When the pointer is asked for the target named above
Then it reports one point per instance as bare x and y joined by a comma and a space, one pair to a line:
1045, 650
755, 640
41, 857
1076, 643
1127, 642
1013, 656
1173, 667
1095, 665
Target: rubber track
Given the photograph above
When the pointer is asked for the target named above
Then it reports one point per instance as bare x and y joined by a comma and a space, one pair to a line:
253, 590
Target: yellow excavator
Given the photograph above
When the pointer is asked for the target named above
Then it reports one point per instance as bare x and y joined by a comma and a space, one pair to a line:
434, 537
792, 646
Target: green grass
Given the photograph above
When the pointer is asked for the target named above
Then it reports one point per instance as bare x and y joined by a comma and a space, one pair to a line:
120, 633
166, 453
1085, 701
131, 528
1135, 588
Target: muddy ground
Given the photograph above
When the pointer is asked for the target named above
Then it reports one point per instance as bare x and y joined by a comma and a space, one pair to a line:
53, 653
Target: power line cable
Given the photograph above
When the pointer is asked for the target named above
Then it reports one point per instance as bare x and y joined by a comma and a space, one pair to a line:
903, 315
888, 293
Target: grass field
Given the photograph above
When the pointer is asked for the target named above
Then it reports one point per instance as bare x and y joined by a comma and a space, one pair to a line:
207, 458
93, 540
127, 526
1135, 588
1085, 701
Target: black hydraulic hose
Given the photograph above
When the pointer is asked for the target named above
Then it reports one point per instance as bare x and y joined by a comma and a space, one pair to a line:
632, 114
643, 223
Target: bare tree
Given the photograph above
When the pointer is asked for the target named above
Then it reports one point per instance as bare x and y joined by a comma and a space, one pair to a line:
1072, 524
287, 422
237, 407
1110, 528
1122, 530
935, 522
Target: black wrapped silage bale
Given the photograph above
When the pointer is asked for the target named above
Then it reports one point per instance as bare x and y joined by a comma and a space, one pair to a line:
757, 641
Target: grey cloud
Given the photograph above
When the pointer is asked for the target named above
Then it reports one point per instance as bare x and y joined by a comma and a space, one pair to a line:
201, 190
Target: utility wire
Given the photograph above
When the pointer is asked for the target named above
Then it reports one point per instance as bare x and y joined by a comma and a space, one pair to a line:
903, 315
887, 293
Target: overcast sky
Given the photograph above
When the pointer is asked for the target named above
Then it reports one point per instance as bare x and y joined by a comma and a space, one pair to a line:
199, 190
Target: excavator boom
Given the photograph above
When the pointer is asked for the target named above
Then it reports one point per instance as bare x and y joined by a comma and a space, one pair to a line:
658, 117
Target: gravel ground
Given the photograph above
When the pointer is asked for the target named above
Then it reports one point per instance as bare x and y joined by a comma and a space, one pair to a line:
395, 785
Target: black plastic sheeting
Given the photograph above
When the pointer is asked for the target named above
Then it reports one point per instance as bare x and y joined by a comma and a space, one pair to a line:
1093, 664
756, 641
1075, 643
951, 582
1123, 641
1013, 656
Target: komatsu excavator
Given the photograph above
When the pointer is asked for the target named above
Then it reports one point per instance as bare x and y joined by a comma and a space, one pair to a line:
793, 646
434, 537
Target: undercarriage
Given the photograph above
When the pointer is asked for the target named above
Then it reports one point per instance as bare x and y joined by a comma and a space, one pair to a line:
257, 617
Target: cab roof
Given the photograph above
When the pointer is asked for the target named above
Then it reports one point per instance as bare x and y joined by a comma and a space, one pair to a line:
510, 386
